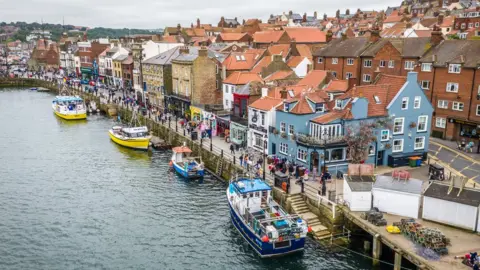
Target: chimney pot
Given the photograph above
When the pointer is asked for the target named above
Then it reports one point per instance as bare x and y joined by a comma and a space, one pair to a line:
352, 82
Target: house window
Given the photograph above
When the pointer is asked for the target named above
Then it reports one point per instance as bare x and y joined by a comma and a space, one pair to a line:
427, 67
302, 155
226, 89
477, 25
422, 123
371, 150
258, 141
367, 63
291, 129
334, 73
227, 103
442, 104
426, 85
398, 125
391, 64
464, 25
409, 65
216, 84
350, 61
286, 107
385, 134
262, 117
452, 87
367, 78
397, 145
416, 102
405, 103
440, 122
457, 106
319, 107
382, 63
470, 25
338, 104
348, 75
419, 143
337, 154
454, 68
320, 60
283, 148
334, 61
283, 127
478, 110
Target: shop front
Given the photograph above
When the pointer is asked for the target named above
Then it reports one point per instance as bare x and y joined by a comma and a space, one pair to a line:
86, 72
238, 132
465, 131
223, 126
177, 106
196, 113
210, 120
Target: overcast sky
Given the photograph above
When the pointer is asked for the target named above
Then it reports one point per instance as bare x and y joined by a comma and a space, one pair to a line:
152, 14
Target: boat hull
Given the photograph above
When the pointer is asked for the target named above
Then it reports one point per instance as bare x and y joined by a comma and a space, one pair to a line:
79, 116
140, 144
180, 170
265, 250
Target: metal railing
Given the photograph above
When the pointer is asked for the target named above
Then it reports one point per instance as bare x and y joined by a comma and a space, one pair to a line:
314, 194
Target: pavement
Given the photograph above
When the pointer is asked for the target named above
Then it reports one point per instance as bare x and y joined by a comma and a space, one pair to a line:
457, 161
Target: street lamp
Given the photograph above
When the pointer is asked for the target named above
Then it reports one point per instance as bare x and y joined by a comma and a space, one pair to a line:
264, 157
211, 135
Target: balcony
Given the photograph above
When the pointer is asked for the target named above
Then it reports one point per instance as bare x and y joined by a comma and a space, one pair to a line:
307, 140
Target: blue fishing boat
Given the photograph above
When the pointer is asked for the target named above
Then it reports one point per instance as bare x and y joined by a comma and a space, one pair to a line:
185, 165
268, 228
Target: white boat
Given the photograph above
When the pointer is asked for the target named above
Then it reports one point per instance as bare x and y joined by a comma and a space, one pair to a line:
69, 107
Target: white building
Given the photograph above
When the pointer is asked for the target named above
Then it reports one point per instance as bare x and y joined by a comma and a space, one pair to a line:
38, 34
357, 191
397, 197
152, 48
261, 115
235, 81
455, 206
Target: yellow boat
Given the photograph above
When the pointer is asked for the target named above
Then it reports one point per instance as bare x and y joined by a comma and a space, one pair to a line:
69, 108
134, 137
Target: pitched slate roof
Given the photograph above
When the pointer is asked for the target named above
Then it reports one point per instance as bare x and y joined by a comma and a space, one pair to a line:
465, 52
267, 36
467, 196
164, 58
350, 47
408, 47
241, 78
306, 34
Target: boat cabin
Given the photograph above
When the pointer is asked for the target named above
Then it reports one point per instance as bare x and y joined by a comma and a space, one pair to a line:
70, 103
134, 132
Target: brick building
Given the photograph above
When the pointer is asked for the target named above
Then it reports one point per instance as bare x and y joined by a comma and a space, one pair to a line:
452, 71
263, 39
127, 72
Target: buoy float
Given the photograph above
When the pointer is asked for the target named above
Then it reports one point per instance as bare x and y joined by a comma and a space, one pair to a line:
265, 239
309, 229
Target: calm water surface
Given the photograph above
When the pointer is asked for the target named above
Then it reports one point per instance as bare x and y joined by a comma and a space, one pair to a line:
71, 199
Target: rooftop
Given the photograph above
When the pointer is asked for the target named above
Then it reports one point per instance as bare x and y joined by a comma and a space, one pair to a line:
467, 196
413, 186
249, 185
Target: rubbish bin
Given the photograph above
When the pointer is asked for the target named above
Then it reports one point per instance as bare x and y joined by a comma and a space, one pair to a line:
419, 162
194, 135
412, 162
280, 178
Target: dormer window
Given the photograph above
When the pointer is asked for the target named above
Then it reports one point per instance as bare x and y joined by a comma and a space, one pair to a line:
338, 104
319, 107
286, 107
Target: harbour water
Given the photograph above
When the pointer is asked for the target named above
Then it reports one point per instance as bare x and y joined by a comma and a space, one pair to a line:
72, 199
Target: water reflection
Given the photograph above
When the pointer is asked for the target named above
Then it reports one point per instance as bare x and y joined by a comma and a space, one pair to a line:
132, 154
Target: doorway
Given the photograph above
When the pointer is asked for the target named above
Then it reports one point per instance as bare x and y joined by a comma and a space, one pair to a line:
314, 160
274, 148
380, 155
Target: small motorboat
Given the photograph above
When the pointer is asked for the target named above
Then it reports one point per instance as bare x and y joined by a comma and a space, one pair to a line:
34, 88
69, 107
131, 137
185, 165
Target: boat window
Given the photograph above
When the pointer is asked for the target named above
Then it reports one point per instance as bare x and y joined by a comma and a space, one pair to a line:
257, 194
244, 196
251, 195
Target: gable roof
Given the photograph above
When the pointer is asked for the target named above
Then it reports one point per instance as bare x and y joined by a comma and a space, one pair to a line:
407, 47
264, 62
267, 36
463, 52
331, 116
306, 34
266, 103
241, 78
279, 75
240, 61
282, 49
304, 50
350, 47
314, 78
336, 86
164, 58
232, 36
294, 61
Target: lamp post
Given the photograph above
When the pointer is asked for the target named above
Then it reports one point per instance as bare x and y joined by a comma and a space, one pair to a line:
264, 157
211, 134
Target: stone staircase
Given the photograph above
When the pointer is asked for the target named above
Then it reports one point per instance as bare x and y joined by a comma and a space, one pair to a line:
300, 208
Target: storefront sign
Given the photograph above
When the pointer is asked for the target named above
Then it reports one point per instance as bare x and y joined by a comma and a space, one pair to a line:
85, 70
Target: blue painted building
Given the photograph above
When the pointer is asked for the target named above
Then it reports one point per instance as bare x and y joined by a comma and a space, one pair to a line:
310, 128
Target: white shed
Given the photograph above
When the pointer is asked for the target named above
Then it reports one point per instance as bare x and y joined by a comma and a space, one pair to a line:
357, 191
398, 197
455, 206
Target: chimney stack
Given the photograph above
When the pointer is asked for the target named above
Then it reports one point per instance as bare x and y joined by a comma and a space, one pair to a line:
440, 19
436, 36
352, 82
184, 50
290, 13
374, 34
202, 51
283, 93
198, 22
329, 36
337, 14
315, 15
325, 16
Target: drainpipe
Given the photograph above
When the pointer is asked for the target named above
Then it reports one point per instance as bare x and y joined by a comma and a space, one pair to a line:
343, 67
471, 94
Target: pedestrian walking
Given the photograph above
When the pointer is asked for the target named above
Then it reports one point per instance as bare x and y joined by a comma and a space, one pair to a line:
241, 160
232, 149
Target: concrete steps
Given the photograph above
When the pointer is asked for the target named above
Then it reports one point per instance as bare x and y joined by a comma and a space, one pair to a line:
300, 207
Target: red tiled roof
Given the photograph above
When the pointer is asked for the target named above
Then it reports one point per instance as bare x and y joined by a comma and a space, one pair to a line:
314, 78
394, 17
305, 51
337, 86
264, 62
447, 21
396, 83
331, 116
267, 36
294, 61
306, 34
279, 75
266, 103
423, 33
282, 49
240, 61
242, 78
232, 36
296, 89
